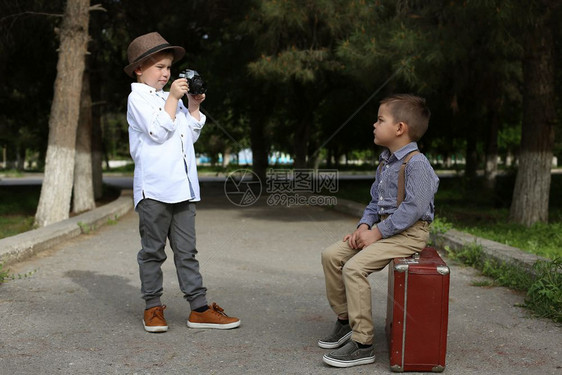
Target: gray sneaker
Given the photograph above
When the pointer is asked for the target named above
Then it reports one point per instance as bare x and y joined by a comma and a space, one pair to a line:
340, 334
350, 355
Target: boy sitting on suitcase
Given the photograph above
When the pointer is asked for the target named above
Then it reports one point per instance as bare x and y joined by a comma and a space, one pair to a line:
388, 229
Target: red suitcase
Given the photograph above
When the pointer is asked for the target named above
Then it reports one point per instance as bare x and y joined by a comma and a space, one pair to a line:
417, 312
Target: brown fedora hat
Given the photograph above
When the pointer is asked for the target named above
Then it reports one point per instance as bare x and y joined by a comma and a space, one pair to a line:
144, 46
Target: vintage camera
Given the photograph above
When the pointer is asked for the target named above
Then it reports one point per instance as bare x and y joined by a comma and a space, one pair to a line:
196, 84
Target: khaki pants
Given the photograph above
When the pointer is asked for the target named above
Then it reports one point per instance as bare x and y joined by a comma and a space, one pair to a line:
346, 271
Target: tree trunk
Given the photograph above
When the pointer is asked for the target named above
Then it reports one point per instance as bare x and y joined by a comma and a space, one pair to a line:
532, 184
301, 140
491, 166
97, 141
20, 158
260, 148
97, 157
54, 202
471, 158
226, 156
300, 145
83, 197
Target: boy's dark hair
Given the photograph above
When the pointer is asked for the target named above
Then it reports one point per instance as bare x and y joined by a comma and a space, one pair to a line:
410, 109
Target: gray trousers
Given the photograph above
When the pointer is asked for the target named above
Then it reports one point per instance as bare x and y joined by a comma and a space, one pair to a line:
158, 221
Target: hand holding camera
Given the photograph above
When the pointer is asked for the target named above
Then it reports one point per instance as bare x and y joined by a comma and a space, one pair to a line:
197, 85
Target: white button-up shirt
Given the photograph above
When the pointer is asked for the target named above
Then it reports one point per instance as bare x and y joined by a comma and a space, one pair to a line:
162, 148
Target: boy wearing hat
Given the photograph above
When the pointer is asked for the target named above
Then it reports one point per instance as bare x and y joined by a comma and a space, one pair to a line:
162, 131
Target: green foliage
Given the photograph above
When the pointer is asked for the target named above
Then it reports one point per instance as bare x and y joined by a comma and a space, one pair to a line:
18, 204
509, 138
11, 172
26, 92
482, 283
115, 129
543, 286
506, 274
128, 168
440, 225
545, 293
113, 221
300, 65
540, 239
17, 209
19, 199
10, 225
3, 273
470, 254
260, 55
85, 228
486, 214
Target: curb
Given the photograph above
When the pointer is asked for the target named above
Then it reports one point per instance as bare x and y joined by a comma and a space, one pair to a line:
21, 246
498, 252
455, 241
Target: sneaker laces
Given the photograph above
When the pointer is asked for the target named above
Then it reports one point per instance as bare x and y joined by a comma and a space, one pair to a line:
159, 312
219, 310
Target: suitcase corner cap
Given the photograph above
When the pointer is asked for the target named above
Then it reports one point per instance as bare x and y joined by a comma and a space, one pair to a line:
438, 368
401, 267
396, 368
443, 270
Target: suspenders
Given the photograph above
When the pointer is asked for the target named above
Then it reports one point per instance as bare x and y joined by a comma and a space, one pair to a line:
401, 177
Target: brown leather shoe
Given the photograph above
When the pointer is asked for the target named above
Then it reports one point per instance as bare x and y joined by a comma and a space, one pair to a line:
214, 317
154, 319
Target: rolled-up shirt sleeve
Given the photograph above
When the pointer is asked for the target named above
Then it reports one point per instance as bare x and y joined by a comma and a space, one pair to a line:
195, 125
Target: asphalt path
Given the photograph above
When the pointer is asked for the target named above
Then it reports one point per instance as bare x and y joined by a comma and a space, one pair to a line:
77, 308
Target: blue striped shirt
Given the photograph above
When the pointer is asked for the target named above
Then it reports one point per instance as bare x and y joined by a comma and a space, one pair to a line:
418, 204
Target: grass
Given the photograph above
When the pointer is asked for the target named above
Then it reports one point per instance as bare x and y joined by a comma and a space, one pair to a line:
19, 203
543, 287
17, 209
540, 239
3, 274
485, 214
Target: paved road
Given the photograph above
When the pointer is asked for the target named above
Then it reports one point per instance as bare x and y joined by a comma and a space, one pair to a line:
79, 312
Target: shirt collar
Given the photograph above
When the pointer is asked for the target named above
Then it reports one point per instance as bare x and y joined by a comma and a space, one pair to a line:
399, 154
144, 88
